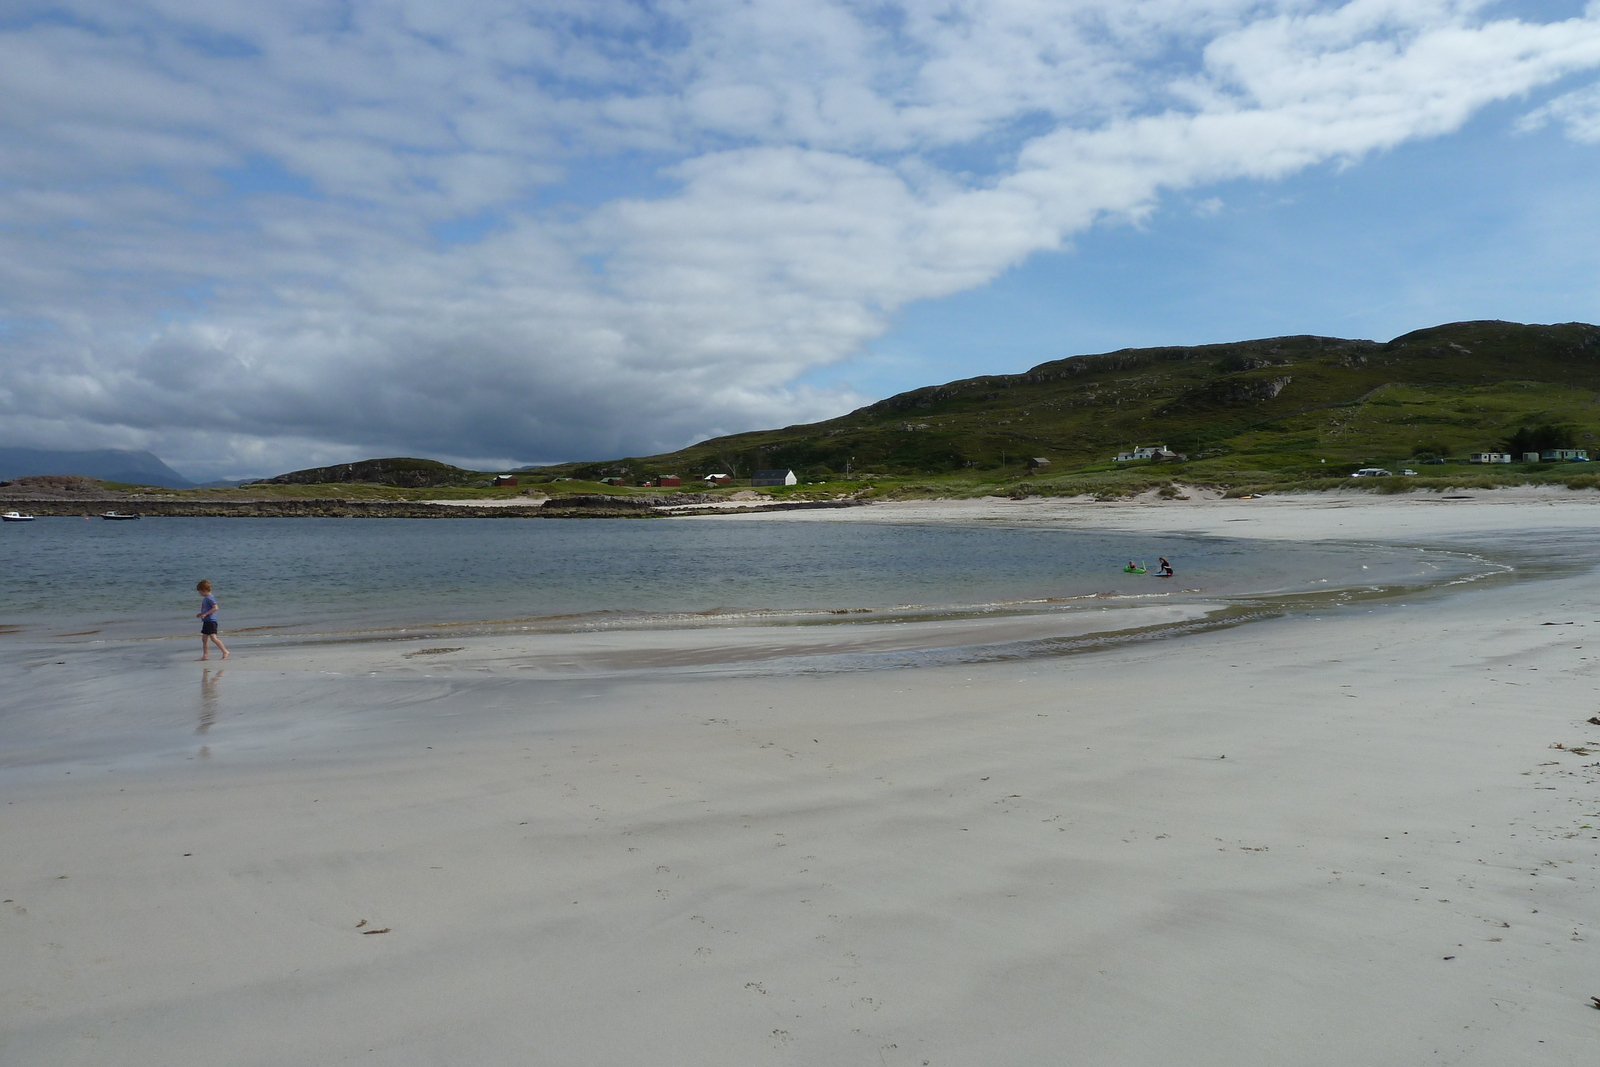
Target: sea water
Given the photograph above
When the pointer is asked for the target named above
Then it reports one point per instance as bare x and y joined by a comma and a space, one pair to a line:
98, 627
107, 580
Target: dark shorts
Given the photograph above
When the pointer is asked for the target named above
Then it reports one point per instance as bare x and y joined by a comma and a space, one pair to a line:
208, 626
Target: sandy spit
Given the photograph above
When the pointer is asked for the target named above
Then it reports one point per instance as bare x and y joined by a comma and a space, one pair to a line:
1338, 840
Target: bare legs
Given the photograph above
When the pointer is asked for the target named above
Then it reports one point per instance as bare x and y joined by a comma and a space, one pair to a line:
205, 649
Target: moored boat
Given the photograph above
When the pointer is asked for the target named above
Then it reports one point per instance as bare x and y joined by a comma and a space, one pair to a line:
116, 515
15, 516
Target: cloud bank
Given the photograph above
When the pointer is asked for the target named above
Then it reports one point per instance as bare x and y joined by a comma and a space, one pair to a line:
252, 236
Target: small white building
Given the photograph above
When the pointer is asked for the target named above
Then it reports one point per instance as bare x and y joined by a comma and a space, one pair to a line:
1489, 457
1148, 452
784, 477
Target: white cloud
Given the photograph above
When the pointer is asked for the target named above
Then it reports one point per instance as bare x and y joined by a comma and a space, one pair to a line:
1578, 112
250, 233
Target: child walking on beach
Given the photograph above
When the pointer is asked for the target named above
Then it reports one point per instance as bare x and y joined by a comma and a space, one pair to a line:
208, 621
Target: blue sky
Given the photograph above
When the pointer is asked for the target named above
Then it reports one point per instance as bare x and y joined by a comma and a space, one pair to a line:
258, 237
1489, 223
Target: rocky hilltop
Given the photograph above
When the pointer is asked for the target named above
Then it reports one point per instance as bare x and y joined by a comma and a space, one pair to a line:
403, 472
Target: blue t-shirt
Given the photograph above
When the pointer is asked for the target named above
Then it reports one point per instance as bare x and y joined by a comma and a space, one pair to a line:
208, 608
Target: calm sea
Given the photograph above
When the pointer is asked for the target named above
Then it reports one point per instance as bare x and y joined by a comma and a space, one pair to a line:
306, 576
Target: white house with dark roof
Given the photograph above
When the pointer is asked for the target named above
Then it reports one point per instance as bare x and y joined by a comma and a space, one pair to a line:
1148, 452
783, 477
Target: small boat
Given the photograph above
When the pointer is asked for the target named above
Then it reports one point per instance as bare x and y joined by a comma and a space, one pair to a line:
117, 515
15, 516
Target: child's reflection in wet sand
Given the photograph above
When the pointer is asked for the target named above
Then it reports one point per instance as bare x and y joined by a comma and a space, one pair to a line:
208, 703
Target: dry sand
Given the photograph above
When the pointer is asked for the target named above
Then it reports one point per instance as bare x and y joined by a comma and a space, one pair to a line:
1320, 840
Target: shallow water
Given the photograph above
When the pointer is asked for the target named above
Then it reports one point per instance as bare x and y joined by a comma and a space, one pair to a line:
344, 622
307, 576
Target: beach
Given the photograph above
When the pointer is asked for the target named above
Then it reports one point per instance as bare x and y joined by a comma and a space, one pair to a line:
1362, 835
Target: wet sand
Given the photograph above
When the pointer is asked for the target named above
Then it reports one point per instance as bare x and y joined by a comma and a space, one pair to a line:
1330, 838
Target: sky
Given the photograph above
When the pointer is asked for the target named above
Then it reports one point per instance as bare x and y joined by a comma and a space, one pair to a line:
254, 237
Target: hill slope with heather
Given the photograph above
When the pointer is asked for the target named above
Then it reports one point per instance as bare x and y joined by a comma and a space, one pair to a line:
1279, 407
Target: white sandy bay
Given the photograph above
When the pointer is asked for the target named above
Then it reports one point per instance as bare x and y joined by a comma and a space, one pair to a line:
1037, 862
1350, 515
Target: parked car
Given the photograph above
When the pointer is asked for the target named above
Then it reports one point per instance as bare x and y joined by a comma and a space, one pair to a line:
1373, 472
1408, 471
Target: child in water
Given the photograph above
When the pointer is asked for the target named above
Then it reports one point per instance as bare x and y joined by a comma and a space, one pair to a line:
208, 621
1165, 569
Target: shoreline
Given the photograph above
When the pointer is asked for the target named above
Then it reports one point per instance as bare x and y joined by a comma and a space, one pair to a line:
1193, 499
851, 627
1294, 516
1357, 836
586, 507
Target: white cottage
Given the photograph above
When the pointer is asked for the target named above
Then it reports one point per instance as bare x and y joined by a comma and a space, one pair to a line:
1148, 452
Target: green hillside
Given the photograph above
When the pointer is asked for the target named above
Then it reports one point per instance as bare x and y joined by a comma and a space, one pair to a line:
1283, 408
402, 472
1282, 412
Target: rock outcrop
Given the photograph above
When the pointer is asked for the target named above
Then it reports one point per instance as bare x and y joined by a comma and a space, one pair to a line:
403, 473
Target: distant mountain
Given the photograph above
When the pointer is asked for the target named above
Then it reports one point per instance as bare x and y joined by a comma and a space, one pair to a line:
106, 464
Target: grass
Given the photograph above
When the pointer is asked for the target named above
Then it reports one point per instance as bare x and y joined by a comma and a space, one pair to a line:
1280, 410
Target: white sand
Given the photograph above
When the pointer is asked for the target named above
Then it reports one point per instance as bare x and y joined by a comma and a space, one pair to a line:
1039, 862
1350, 516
